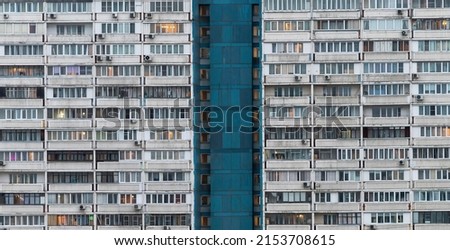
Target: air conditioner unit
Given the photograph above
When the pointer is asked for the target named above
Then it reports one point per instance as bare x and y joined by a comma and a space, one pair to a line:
133, 15
306, 185
5, 16
327, 77
2, 164
137, 143
134, 121
166, 228
52, 16
372, 227
98, 58
108, 58
147, 58
298, 78
304, 142
137, 207
115, 15
401, 162
399, 12
151, 36
148, 16
419, 98
404, 33
101, 36
415, 76
82, 207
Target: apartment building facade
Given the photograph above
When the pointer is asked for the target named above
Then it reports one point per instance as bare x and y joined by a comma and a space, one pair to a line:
356, 114
95, 114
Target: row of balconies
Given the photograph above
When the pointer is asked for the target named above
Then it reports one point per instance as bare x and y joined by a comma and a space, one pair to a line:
99, 38
359, 121
356, 57
402, 226
170, 227
89, 59
355, 143
181, 165
357, 14
78, 17
90, 80
354, 164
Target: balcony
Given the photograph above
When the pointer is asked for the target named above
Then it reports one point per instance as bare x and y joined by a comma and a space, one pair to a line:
427, 141
431, 120
336, 57
69, 39
337, 164
70, 187
331, 35
168, 165
117, 145
287, 101
387, 34
167, 102
17, 39
118, 102
69, 145
377, 185
23, 166
338, 121
386, 77
67, 123
386, 142
172, 144
386, 100
168, 38
285, 58
117, 208
434, 184
67, 81
69, 166
23, 124
169, 227
120, 38
70, 60
337, 143
280, 36
22, 145
119, 80
287, 186
119, 166
288, 122
288, 207
342, 79
164, 80
169, 59
168, 208
429, 163
288, 143
21, 81
168, 186
336, 207
386, 206
19, 103
22, 209
337, 185
328, 100
386, 163
22, 60
386, 56
430, 56
386, 121
288, 165
119, 187
20, 188
431, 206
434, 226
288, 227
286, 79
436, 34
118, 227
338, 227
79, 102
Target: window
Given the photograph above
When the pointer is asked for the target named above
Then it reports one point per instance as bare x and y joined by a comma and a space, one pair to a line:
337, 154
70, 220
72, 198
69, 92
386, 46
432, 217
288, 176
376, 89
337, 25
119, 220
21, 7
435, 195
288, 154
166, 135
336, 68
349, 175
22, 156
432, 67
166, 6
287, 26
284, 69
22, 220
21, 92
171, 49
323, 197
430, 24
118, 5
386, 132
336, 4
118, 28
338, 133
167, 92
386, 153
434, 88
334, 90
386, 175
166, 28
287, 133
166, 198
69, 7
117, 92
287, 5
383, 68
288, 219
288, 91
434, 110
386, 24
69, 156
287, 112
434, 131
167, 219
288, 197
22, 178
102, 156
386, 111
21, 28
21, 114
391, 4
71, 49
349, 197
342, 219
74, 135
23, 50
70, 30
115, 49
434, 45
167, 113
22, 199
339, 111
168, 176
431, 4
21, 71
69, 70
118, 70
69, 113
386, 196
288, 47
167, 155
431, 153
385, 218
167, 70
336, 47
